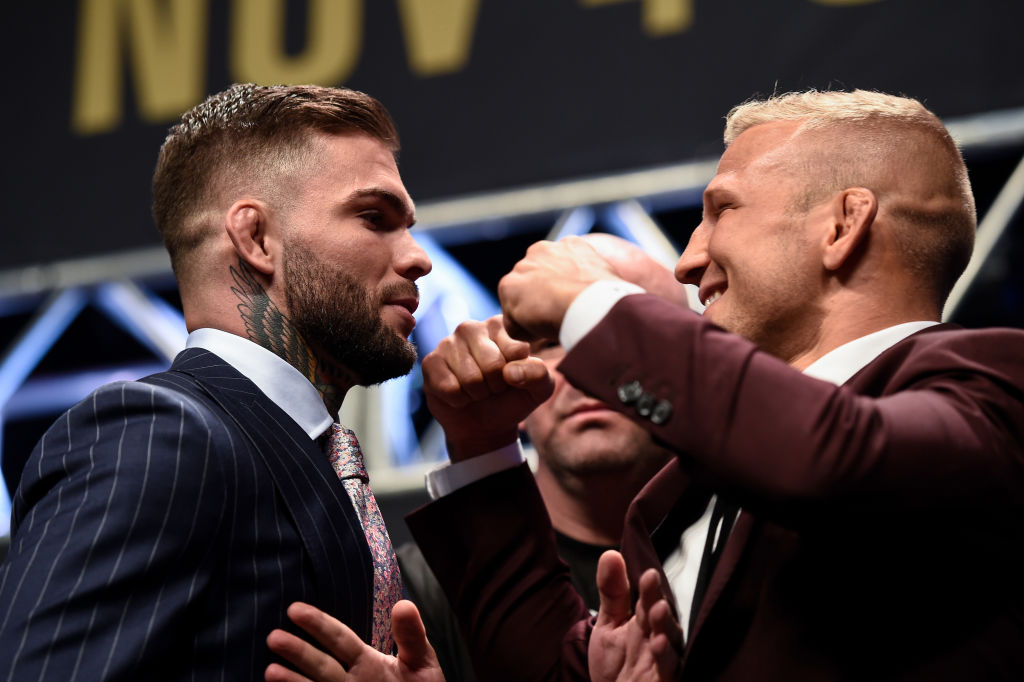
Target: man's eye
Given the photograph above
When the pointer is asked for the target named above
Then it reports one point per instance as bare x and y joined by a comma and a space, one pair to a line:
375, 218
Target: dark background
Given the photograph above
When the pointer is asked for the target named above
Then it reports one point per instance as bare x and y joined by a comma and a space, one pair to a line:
552, 90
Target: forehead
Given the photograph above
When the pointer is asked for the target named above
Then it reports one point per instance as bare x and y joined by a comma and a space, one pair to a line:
760, 150
351, 162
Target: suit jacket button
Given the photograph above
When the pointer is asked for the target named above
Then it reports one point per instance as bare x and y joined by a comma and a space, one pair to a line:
629, 393
662, 411
645, 404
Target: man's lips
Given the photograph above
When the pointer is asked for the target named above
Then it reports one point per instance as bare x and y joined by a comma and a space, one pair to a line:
410, 303
709, 293
404, 308
587, 407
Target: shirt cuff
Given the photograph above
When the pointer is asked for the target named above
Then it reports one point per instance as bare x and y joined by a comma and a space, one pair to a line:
449, 477
590, 307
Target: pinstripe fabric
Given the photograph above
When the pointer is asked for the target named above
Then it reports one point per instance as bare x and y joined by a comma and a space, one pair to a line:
163, 526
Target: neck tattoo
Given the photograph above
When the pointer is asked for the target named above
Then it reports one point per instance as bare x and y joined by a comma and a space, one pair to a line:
267, 326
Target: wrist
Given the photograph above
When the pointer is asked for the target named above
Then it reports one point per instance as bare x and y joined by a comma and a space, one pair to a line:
463, 447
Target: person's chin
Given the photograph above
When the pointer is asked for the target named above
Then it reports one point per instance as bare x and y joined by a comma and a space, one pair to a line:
717, 315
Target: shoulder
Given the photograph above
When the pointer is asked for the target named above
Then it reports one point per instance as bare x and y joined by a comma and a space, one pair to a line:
134, 430
987, 339
997, 353
968, 377
139, 456
160, 402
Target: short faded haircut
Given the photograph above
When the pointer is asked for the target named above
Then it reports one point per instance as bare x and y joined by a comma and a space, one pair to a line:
879, 136
249, 136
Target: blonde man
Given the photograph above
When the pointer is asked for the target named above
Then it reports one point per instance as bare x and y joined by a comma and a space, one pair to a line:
867, 459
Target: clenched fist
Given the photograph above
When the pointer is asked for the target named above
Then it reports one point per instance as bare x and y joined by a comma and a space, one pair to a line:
536, 294
480, 383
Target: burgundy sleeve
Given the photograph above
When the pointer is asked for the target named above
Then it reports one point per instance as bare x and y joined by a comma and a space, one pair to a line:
492, 548
937, 418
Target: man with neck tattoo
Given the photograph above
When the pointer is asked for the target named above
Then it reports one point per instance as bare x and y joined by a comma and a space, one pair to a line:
163, 526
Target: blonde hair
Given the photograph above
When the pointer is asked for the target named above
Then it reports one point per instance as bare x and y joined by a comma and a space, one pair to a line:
882, 142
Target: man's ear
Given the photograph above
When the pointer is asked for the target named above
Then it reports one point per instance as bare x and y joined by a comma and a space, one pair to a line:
247, 226
853, 214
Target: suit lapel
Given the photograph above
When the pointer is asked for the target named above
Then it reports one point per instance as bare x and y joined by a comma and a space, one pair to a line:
735, 544
865, 382
656, 519
309, 489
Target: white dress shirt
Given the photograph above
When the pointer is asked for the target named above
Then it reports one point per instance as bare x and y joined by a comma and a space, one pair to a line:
586, 311
278, 380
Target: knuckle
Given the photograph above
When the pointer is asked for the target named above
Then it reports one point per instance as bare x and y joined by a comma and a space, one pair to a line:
467, 328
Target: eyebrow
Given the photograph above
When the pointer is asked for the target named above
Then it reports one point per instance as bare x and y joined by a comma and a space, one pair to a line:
395, 202
713, 195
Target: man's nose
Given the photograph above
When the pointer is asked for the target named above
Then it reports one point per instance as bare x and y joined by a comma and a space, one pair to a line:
411, 261
695, 259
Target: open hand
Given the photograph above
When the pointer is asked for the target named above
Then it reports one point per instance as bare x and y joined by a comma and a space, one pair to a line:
644, 645
348, 657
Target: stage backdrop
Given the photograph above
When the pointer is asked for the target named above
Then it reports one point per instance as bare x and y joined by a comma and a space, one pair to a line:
488, 94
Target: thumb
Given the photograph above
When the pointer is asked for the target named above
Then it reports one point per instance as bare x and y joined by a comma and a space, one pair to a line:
531, 375
414, 651
613, 588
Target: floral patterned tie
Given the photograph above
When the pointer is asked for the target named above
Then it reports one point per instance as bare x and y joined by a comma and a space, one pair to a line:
347, 460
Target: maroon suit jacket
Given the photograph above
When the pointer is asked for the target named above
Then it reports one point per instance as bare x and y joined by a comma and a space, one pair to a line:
882, 535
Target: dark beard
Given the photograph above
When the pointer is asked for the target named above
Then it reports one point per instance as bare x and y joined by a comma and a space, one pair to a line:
341, 320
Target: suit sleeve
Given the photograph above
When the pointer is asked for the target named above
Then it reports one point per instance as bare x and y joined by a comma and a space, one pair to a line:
118, 510
492, 548
941, 421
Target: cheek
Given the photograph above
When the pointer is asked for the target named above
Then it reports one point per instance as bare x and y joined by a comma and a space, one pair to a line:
720, 246
539, 425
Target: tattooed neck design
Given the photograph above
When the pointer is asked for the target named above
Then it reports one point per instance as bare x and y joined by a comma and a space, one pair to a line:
267, 326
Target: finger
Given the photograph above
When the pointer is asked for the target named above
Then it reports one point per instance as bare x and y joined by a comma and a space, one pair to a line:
532, 375
511, 349
451, 374
666, 658
650, 593
475, 361
439, 382
411, 637
513, 328
276, 672
334, 635
304, 656
664, 623
613, 589
489, 357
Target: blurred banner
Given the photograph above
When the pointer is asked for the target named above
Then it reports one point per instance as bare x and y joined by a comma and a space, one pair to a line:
487, 94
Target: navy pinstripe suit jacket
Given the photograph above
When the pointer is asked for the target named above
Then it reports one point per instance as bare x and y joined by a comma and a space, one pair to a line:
163, 526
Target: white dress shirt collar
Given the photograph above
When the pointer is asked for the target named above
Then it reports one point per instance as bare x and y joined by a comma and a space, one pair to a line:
278, 380
838, 365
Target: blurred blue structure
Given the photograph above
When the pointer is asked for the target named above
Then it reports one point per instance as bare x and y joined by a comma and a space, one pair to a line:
49, 363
